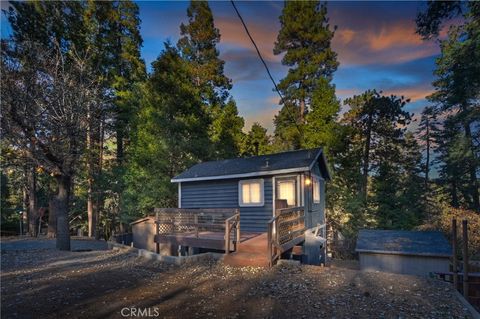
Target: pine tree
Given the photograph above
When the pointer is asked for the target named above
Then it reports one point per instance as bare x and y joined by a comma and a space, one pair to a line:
373, 115
321, 127
458, 90
458, 69
113, 38
256, 142
170, 134
304, 39
226, 131
426, 131
452, 149
397, 186
198, 45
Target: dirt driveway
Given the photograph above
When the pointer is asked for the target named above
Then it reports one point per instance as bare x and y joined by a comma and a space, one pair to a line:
45, 283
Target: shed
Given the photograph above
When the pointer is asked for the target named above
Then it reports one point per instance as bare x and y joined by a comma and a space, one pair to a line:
404, 252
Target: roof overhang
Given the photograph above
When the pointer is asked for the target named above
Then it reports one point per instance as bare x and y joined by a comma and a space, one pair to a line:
251, 174
319, 156
324, 159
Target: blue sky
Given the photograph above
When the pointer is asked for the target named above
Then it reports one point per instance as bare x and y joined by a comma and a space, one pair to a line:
376, 44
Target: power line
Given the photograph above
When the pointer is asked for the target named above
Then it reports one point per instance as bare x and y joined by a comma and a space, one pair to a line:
265, 65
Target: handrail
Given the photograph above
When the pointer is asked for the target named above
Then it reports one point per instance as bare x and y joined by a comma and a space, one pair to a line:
284, 230
230, 223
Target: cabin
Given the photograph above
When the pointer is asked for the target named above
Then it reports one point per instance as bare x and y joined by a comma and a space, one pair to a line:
272, 204
419, 253
255, 185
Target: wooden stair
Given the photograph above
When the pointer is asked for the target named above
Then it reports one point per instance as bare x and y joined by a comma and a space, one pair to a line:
250, 252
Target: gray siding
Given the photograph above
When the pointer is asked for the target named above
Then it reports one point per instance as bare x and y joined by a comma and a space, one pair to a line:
316, 211
403, 264
224, 194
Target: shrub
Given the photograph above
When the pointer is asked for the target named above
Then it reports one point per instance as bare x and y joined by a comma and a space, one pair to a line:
443, 222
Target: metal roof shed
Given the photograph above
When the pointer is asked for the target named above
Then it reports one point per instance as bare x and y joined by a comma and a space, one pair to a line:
405, 252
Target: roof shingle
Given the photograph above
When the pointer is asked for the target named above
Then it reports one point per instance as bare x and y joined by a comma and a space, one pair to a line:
255, 164
402, 242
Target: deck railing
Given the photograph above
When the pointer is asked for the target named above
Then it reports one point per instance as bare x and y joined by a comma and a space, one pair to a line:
285, 230
174, 221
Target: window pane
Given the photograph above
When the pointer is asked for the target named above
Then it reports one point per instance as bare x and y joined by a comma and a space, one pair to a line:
287, 191
316, 191
246, 193
255, 192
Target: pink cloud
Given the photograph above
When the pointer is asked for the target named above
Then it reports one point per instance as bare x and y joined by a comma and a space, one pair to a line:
232, 33
412, 93
395, 42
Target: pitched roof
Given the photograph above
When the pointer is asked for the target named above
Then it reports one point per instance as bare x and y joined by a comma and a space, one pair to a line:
402, 242
286, 162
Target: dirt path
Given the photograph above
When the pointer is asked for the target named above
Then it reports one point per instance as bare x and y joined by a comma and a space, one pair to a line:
98, 284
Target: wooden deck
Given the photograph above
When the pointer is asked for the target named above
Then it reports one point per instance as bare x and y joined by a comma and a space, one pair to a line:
198, 228
250, 252
219, 229
202, 239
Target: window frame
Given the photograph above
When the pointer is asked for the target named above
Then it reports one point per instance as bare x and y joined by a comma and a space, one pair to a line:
316, 180
240, 192
293, 178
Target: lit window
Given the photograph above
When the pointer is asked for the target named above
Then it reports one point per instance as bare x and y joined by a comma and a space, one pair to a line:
316, 190
251, 192
287, 190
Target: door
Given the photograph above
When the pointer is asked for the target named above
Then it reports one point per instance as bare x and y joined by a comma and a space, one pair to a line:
286, 190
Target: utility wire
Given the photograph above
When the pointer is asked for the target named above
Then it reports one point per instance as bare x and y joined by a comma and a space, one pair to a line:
265, 65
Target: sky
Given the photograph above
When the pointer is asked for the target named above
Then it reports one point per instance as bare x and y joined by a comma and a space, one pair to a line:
375, 41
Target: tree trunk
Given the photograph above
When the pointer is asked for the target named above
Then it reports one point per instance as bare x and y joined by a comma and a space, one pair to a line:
52, 218
99, 195
454, 193
61, 204
119, 145
32, 201
91, 212
302, 111
472, 169
427, 164
366, 158
25, 206
90, 174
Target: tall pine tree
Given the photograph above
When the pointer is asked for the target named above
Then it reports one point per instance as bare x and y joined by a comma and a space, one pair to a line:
458, 82
305, 40
170, 134
198, 46
372, 115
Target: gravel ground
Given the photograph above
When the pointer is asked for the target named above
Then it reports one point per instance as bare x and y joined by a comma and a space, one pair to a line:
28, 243
45, 283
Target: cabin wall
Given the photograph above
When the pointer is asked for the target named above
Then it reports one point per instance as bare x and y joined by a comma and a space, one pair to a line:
316, 211
224, 194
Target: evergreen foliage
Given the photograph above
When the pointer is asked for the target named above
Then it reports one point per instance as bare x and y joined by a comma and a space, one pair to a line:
305, 40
